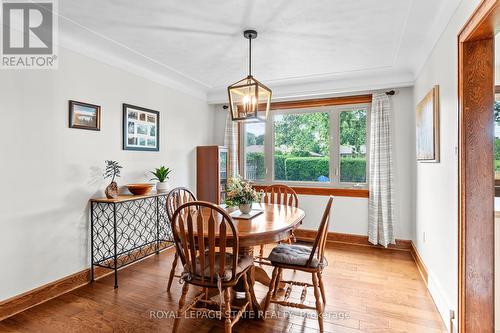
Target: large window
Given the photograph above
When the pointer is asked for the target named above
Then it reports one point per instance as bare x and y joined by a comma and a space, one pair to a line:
302, 147
321, 146
352, 132
254, 151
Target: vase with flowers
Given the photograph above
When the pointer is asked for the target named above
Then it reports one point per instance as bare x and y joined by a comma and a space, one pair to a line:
241, 194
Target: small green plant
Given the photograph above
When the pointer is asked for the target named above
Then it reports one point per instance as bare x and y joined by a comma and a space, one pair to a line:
112, 170
161, 174
240, 192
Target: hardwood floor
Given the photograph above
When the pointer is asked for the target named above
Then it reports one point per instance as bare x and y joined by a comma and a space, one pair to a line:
368, 290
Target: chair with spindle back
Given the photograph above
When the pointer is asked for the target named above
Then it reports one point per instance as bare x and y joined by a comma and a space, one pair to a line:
203, 234
281, 195
301, 258
175, 198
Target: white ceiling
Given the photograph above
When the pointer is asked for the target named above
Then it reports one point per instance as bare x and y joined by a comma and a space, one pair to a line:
303, 48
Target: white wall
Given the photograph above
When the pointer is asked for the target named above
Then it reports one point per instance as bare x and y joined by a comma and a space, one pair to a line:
497, 59
350, 215
49, 171
437, 183
404, 156
497, 271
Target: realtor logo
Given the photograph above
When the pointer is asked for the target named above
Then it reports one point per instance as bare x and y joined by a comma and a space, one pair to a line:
28, 34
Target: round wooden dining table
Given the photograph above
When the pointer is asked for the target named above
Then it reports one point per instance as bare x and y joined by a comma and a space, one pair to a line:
276, 223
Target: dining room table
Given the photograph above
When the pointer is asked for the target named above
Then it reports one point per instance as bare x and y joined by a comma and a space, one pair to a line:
273, 223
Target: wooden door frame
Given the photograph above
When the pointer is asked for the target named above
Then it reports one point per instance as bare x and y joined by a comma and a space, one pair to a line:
476, 80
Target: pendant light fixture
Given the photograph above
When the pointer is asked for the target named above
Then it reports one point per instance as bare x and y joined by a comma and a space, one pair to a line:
248, 98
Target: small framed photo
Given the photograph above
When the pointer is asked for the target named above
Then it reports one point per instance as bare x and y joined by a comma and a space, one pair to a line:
141, 128
84, 116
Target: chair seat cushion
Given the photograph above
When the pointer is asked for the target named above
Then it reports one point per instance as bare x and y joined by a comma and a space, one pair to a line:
243, 263
293, 254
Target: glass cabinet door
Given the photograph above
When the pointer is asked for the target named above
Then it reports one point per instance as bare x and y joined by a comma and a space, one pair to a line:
222, 174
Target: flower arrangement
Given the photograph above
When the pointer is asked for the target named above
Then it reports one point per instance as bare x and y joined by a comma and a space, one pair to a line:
240, 192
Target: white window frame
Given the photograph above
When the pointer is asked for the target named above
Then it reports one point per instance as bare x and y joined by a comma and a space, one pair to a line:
334, 165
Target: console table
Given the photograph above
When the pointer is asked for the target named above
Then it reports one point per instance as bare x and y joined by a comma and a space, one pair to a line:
126, 229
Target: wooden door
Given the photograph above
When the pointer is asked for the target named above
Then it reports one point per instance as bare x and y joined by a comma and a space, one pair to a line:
476, 180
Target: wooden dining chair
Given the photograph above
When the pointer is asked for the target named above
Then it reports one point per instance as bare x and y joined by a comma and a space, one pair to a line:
175, 198
281, 195
207, 261
301, 258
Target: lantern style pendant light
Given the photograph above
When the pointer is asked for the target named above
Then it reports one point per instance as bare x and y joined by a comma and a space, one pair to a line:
249, 100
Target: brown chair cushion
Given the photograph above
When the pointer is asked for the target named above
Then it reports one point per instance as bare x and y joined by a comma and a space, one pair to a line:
296, 255
243, 263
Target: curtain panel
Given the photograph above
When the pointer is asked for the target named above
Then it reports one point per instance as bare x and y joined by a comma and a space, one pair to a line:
231, 142
381, 181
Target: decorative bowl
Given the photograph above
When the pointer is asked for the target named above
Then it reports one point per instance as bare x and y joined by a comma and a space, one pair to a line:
140, 189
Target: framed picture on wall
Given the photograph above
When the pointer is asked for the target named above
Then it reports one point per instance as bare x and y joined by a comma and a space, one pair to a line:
84, 116
427, 128
141, 128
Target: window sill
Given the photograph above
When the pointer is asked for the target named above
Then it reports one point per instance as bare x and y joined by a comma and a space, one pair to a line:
326, 191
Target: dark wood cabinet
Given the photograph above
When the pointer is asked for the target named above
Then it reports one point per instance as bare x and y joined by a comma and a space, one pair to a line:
211, 173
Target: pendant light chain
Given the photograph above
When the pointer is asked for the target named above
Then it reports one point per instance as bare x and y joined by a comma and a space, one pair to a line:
250, 57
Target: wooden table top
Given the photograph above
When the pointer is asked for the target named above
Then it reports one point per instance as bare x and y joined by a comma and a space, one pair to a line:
275, 218
275, 224
128, 197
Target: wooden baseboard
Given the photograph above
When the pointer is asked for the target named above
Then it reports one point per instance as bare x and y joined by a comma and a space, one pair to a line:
24, 301
309, 235
401, 244
420, 263
29, 299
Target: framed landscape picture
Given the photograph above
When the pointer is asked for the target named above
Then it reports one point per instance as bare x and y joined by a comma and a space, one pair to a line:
141, 128
427, 119
84, 116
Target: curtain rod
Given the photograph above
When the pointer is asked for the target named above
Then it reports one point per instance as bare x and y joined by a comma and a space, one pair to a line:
388, 93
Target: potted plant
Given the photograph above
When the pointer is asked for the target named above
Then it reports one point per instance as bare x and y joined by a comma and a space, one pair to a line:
240, 193
161, 175
112, 171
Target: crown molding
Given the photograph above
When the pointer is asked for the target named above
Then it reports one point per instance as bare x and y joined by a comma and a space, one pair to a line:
445, 12
346, 83
82, 40
133, 62
324, 85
